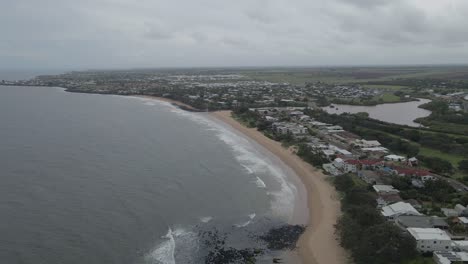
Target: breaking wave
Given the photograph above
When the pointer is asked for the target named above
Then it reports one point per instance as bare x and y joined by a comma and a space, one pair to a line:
251, 159
164, 253
260, 183
206, 219
251, 217
179, 244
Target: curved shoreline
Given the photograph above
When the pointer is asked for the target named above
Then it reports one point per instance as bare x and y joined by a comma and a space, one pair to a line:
319, 243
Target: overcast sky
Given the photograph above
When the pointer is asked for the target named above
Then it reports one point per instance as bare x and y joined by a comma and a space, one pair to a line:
173, 33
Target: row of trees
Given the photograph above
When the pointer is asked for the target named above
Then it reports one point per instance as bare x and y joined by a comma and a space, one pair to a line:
306, 153
365, 233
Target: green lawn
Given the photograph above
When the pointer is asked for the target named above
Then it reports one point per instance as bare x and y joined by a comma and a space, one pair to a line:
385, 87
388, 98
454, 159
449, 127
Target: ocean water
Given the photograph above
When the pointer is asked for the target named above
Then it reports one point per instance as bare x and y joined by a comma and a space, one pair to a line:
108, 179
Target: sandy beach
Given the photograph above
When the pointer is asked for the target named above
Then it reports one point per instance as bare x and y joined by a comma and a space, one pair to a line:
318, 245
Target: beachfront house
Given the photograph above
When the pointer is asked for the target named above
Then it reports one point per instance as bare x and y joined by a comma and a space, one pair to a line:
430, 239
397, 209
421, 221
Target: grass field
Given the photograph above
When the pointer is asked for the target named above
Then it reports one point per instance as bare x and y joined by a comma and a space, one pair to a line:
454, 159
448, 127
388, 98
385, 87
299, 76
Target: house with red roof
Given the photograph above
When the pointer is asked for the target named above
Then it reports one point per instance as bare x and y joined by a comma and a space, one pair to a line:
421, 174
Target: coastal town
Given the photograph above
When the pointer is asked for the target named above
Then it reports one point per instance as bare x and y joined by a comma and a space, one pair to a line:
436, 225
409, 183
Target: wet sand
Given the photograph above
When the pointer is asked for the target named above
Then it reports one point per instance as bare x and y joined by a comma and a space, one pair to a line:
318, 245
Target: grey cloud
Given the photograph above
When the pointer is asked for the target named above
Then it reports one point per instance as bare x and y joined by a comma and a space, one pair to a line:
158, 33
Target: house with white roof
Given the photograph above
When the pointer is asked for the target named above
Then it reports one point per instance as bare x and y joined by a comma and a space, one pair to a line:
442, 257
395, 158
384, 189
431, 239
362, 143
397, 209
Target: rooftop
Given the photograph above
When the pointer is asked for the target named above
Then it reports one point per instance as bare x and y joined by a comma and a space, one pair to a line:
428, 234
399, 208
384, 188
421, 221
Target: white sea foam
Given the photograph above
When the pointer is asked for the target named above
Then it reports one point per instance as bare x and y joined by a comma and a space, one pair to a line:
164, 253
260, 183
251, 217
251, 159
206, 219
249, 170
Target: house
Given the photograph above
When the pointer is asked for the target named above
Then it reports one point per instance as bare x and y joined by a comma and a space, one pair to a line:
444, 257
421, 221
460, 245
362, 143
460, 209
387, 199
367, 164
430, 239
351, 165
393, 157
385, 189
449, 212
370, 177
296, 113
338, 163
397, 209
271, 119
328, 153
330, 168
463, 220
423, 175
417, 183
413, 161
414, 203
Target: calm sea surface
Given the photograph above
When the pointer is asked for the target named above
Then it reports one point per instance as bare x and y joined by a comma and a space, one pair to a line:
108, 179
397, 113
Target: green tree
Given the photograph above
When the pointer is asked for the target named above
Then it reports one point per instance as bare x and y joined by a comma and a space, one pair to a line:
463, 165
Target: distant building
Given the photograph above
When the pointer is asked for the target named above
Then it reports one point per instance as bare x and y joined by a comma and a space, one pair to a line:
431, 239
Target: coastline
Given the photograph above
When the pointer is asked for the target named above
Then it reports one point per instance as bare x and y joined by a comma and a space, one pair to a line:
173, 102
319, 243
